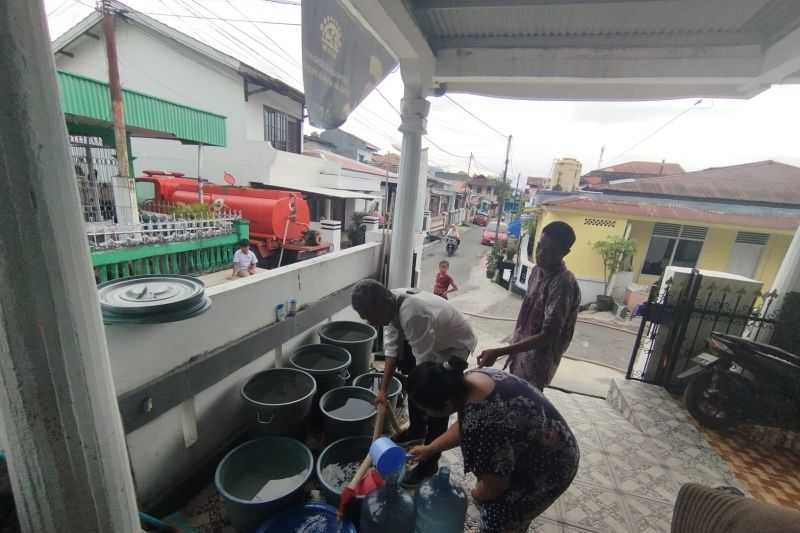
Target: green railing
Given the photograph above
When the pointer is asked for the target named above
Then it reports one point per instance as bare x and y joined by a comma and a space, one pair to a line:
185, 257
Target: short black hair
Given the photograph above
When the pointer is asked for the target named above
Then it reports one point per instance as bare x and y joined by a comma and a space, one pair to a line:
444, 262
367, 293
433, 384
244, 242
562, 233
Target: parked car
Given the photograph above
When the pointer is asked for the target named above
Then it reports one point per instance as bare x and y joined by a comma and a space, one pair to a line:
491, 229
481, 219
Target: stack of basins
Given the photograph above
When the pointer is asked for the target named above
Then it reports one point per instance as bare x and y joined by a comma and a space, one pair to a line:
267, 475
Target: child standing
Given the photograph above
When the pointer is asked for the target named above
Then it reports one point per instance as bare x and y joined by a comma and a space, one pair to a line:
444, 283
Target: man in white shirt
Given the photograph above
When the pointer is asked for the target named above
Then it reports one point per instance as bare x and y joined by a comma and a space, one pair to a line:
244, 260
417, 327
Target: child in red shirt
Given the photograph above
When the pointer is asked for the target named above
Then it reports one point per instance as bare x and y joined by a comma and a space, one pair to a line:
443, 281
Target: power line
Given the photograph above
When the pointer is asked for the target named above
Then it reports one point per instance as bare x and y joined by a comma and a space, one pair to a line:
223, 19
476, 117
427, 138
233, 38
646, 138
377, 90
267, 37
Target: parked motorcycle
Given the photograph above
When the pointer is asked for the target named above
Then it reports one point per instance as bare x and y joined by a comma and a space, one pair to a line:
743, 381
451, 244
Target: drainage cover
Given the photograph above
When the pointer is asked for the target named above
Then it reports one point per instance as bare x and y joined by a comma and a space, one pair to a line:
152, 298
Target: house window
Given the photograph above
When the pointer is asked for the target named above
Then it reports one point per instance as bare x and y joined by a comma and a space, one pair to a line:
673, 245
282, 130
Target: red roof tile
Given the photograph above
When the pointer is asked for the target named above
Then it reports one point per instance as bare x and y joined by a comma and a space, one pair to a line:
652, 168
764, 181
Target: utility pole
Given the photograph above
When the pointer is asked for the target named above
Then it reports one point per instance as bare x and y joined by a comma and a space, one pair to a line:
602, 153
123, 185
469, 164
500, 198
516, 190
114, 85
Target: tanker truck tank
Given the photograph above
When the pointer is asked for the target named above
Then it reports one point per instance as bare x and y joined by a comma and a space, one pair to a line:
278, 218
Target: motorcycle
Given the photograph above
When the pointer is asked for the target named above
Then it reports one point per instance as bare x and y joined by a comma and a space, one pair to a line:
743, 381
451, 244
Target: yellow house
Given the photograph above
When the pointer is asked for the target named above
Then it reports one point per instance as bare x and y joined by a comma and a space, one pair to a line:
737, 219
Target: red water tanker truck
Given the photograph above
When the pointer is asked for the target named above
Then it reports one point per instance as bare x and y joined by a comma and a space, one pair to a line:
278, 218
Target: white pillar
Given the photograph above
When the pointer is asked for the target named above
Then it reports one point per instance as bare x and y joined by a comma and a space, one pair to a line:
788, 277
331, 232
414, 111
66, 447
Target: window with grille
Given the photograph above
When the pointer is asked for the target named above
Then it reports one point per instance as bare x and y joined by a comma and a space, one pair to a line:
281, 130
673, 245
745, 237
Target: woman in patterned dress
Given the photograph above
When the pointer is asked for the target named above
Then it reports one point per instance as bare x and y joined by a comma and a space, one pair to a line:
512, 438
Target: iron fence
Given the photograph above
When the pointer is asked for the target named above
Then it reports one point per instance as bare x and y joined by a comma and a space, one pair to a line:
95, 165
678, 318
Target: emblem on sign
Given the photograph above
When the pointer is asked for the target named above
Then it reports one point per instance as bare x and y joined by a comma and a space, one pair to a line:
331, 36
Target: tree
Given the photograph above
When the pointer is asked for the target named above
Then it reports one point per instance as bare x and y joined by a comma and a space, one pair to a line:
617, 254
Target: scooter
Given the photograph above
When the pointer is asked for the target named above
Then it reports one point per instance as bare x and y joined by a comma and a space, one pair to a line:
451, 244
743, 381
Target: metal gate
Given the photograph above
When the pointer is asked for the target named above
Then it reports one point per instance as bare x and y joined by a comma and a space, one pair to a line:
676, 323
95, 165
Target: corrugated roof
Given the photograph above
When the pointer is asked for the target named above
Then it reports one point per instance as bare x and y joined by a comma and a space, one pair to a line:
678, 213
654, 168
88, 100
251, 73
762, 182
452, 24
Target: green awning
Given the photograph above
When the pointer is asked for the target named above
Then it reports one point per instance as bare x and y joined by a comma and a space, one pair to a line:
87, 102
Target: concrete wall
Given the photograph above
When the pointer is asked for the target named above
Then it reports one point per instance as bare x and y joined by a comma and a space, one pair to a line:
159, 454
156, 66
771, 259
589, 228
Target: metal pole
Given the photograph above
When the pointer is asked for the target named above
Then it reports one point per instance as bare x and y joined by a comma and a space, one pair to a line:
501, 198
115, 87
67, 459
199, 166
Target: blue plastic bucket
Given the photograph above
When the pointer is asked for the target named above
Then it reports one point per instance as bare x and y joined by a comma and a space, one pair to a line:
312, 517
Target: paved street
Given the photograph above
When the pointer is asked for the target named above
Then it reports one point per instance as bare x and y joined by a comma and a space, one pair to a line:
467, 257
492, 311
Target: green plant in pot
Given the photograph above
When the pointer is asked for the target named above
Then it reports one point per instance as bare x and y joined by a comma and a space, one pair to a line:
616, 253
356, 232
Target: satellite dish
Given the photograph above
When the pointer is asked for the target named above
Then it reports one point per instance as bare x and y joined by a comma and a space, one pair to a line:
229, 179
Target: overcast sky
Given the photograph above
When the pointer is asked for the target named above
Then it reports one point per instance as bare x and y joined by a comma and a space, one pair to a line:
714, 133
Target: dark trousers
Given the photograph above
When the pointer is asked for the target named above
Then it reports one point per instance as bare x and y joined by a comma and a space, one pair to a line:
419, 423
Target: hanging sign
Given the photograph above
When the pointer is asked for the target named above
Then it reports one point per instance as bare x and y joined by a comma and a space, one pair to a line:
342, 62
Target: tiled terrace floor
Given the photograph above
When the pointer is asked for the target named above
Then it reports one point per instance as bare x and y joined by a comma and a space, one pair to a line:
628, 477
637, 449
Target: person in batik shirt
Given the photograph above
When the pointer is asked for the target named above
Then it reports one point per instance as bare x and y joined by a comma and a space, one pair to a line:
546, 321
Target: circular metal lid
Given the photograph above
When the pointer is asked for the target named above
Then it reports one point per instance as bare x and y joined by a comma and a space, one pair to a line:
144, 295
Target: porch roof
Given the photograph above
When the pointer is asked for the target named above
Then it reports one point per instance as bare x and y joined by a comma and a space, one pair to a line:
591, 49
706, 213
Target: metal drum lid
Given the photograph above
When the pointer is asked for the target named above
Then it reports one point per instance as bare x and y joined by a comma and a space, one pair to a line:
152, 298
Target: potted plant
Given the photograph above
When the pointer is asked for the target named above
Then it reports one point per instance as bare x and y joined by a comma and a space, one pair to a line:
356, 232
617, 254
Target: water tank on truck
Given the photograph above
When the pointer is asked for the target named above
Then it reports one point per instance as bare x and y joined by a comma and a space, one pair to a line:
278, 218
